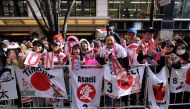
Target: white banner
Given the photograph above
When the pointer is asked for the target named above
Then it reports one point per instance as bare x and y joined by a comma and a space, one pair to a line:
180, 79
37, 82
8, 84
32, 58
132, 53
86, 88
123, 84
49, 63
158, 91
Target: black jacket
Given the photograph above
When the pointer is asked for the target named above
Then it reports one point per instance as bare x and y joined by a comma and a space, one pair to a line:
161, 63
116, 37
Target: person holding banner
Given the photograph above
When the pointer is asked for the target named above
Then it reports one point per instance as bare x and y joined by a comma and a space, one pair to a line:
182, 53
172, 59
159, 43
88, 54
112, 50
71, 41
59, 58
60, 39
38, 47
12, 52
114, 56
147, 41
132, 47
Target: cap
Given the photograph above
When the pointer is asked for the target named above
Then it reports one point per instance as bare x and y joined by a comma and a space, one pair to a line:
58, 36
57, 43
6, 42
132, 30
169, 43
13, 45
150, 30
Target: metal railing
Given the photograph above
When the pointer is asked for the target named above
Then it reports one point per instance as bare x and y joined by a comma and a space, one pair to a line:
135, 101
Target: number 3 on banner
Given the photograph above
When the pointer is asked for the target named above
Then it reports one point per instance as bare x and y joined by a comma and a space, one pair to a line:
110, 90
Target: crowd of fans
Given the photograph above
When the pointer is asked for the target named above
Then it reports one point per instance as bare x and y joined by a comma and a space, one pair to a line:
129, 51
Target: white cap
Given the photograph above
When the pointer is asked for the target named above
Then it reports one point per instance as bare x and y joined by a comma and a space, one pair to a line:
13, 45
6, 42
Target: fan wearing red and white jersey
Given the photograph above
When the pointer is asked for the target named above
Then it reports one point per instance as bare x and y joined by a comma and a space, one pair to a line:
148, 41
132, 47
59, 57
112, 50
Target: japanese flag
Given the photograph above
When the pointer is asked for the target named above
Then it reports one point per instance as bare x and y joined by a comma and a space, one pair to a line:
158, 91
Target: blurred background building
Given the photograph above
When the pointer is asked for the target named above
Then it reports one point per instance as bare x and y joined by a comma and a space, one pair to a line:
16, 19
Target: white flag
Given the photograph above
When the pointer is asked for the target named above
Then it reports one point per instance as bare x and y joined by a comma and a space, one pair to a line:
180, 79
32, 59
123, 84
86, 88
8, 84
38, 82
158, 91
49, 63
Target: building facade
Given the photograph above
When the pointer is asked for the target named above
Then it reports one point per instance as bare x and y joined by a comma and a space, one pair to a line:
16, 19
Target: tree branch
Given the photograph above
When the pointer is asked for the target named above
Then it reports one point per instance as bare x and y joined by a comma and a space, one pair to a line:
49, 16
66, 19
42, 15
35, 16
56, 14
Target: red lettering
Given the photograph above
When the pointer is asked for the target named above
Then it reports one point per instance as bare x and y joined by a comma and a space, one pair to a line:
31, 57
73, 57
49, 60
116, 65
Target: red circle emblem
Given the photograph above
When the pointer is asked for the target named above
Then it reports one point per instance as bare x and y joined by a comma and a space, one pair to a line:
86, 92
159, 92
125, 80
188, 77
40, 81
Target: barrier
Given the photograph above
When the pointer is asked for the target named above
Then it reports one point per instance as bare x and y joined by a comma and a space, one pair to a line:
138, 100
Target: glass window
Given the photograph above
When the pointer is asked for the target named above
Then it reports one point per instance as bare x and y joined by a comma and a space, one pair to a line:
63, 7
81, 8
182, 9
131, 8
10, 8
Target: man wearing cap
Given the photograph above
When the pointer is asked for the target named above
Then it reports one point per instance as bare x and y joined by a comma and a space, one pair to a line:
131, 36
131, 48
114, 34
148, 41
